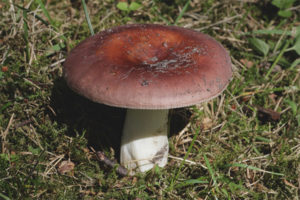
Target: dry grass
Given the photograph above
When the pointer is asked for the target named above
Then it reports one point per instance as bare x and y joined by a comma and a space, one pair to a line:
241, 149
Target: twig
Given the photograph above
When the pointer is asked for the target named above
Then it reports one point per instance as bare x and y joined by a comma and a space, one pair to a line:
53, 163
4, 134
187, 161
110, 163
185, 129
57, 62
219, 22
23, 123
30, 174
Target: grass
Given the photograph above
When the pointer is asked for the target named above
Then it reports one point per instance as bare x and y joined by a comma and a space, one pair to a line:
232, 147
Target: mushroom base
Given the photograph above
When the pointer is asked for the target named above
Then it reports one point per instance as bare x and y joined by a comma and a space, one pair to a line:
144, 140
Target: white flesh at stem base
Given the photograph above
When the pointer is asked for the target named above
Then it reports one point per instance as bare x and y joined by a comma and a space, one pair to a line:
144, 140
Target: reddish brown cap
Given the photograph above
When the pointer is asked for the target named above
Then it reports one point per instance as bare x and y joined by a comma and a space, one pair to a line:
148, 67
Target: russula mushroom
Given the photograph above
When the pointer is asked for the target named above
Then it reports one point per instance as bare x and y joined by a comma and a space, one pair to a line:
148, 69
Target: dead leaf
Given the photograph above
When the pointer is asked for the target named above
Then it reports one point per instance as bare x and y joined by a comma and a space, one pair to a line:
66, 166
273, 97
277, 68
246, 98
4, 69
266, 114
134, 181
207, 123
87, 192
233, 106
289, 184
261, 188
247, 63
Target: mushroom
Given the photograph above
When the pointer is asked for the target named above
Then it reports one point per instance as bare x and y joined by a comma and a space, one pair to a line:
148, 69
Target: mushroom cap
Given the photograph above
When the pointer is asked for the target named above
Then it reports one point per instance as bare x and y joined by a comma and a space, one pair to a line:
148, 66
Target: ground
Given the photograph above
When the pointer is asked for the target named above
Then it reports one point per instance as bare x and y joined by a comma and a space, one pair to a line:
244, 144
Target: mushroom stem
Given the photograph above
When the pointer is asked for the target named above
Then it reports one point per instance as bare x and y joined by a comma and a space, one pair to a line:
144, 140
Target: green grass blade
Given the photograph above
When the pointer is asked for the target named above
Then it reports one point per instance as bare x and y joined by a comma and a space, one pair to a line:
260, 45
87, 17
191, 182
210, 170
161, 16
46, 13
277, 59
42, 5
55, 48
293, 106
5, 106
182, 11
295, 63
262, 139
182, 163
35, 15
268, 32
25, 27
254, 168
4, 197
